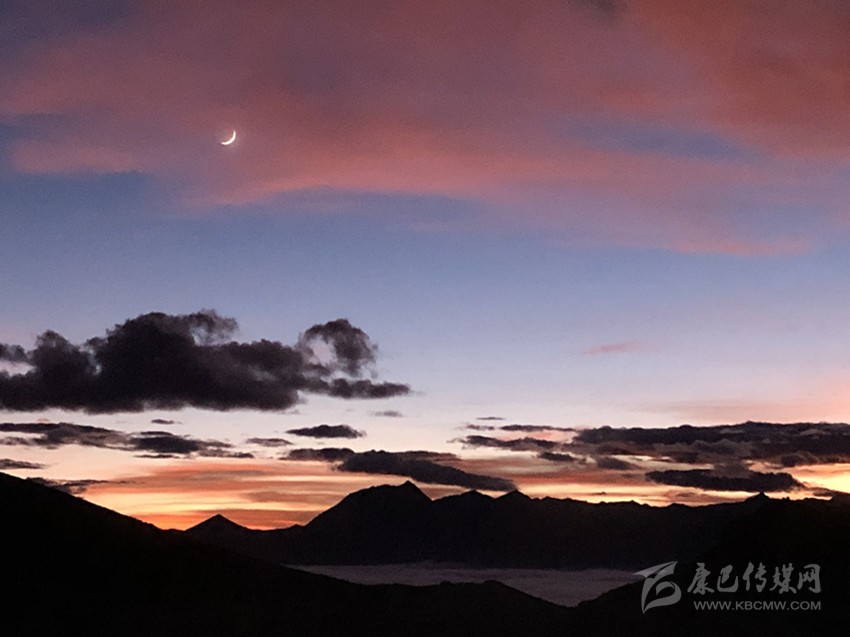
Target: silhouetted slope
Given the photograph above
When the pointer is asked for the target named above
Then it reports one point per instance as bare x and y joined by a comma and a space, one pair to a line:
73, 568
401, 524
475, 528
386, 523
778, 533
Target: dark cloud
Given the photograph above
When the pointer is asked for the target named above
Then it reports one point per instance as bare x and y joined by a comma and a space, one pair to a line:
798, 458
840, 496
639, 435
425, 455
7, 464
327, 431
335, 454
149, 444
239, 455
328, 454
533, 428
162, 442
54, 435
730, 450
489, 418
781, 445
74, 487
752, 481
167, 361
344, 388
420, 468
13, 353
516, 444
514, 427
554, 456
350, 345
164, 421
268, 442
388, 413
607, 462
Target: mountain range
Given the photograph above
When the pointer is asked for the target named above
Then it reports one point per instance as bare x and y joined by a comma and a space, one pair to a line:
400, 524
394, 524
73, 568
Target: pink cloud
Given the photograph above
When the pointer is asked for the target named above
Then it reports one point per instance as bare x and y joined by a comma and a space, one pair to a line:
622, 347
470, 100
773, 75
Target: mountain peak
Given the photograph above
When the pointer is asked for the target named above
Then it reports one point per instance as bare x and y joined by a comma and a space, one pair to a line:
514, 496
474, 495
408, 486
384, 497
406, 491
217, 523
760, 497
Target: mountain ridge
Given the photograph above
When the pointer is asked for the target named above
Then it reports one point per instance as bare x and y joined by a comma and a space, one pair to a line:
74, 568
397, 524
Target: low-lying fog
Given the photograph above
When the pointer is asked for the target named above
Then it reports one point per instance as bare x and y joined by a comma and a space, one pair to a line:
567, 588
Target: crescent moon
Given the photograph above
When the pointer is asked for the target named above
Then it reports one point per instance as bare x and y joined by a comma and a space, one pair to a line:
231, 140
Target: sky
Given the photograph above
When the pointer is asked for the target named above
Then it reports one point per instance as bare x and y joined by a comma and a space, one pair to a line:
466, 237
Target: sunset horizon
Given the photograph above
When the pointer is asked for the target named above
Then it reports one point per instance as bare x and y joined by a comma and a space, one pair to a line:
255, 260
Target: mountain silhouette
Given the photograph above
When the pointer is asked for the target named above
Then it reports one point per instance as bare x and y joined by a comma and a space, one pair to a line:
387, 524
397, 524
73, 568
779, 533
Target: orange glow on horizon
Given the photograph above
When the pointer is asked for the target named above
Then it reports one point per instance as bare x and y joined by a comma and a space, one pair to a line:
266, 495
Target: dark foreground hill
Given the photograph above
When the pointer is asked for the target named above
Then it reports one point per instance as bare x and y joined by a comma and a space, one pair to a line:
782, 534
388, 524
73, 568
